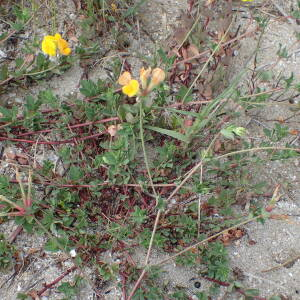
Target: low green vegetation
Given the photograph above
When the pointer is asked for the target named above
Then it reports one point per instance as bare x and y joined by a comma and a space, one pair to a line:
124, 168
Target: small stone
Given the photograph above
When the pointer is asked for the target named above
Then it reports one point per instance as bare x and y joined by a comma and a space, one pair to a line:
2, 54
19, 100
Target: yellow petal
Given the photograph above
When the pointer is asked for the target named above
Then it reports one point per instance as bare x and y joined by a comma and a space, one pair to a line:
114, 7
144, 76
57, 36
63, 46
131, 89
66, 51
125, 78
49, 46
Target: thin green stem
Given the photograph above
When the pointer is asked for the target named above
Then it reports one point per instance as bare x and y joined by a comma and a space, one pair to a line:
39, 72
144, 148
2, 198
151, 182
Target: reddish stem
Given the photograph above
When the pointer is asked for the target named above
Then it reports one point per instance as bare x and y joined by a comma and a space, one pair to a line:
52, 142
58, 279
71, 126
93, 185
15, 233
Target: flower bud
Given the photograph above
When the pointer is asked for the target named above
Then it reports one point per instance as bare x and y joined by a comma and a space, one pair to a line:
144, 76
158, 76
125, 78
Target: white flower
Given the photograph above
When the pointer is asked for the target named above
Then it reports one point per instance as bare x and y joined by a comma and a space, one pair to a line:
73, 253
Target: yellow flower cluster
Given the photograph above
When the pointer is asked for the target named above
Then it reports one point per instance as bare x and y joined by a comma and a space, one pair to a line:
52, 43
149, 79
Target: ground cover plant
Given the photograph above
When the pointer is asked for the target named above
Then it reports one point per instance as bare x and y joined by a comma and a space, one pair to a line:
135, 160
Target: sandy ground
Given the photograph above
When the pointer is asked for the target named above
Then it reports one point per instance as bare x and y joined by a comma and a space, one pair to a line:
277, 241
274, 243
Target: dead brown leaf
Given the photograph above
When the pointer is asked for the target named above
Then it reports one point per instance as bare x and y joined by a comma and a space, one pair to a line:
231, 235
113, 129
29, 58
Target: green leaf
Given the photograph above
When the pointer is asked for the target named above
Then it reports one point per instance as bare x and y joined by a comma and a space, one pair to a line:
68, 289
41, 61
32, 104
48, 97
139, 215
19, 62
275, 298
282, 52
165, 58
65, 153
22, 296
296, 14
184, 93
9, 115
226, 132
4, 72
232, 130
252, 292
289, 81
52, 245
171, 133
17, 26
202, 296
110, 158
238, 284
88, 88
265, 75
3, 36
75, 173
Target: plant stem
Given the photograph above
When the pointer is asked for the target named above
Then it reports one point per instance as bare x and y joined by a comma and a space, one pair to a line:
151, 183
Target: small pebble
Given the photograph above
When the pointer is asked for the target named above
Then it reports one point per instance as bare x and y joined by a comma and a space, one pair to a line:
2, 54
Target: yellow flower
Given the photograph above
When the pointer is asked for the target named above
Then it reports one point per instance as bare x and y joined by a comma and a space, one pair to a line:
51, 43
114, 7
132, 88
